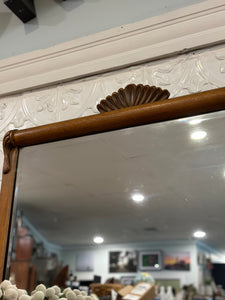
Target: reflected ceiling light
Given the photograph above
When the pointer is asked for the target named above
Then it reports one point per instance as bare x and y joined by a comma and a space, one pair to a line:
198, 135
199, 234
137, 197
98, 240
182, 120
156, 266
195, 121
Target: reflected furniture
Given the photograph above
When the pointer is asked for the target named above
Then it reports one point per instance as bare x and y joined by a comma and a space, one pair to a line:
130, 107
104, 289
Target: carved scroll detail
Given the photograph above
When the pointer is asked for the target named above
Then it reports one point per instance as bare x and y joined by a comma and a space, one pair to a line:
8, 145
132, 95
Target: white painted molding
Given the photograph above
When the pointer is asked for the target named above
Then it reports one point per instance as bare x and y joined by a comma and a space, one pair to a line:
180, 31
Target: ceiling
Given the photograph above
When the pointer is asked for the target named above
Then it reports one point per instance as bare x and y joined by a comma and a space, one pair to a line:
76, 189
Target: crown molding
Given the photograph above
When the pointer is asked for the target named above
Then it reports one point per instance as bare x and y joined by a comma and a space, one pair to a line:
193, 27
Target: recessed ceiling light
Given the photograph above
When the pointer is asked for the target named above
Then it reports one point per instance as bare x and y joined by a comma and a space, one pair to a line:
195, 121
199, 234
198, 135
98, 240
137, 197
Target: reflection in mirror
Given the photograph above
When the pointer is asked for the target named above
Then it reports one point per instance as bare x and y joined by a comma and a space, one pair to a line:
105, 207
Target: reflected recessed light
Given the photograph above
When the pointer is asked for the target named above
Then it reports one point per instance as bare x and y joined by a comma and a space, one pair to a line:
98, 240
195, 121
156, 266
182, 120
199, 234
137, 197
198, 135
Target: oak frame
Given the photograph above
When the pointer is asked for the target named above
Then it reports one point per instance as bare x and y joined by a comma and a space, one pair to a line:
164, 110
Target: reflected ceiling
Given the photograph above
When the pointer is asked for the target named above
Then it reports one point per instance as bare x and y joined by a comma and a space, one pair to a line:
75, 189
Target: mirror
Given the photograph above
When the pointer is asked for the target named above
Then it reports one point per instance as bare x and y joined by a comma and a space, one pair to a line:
146, 190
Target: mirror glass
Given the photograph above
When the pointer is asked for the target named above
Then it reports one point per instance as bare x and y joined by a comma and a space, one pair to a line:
144, 190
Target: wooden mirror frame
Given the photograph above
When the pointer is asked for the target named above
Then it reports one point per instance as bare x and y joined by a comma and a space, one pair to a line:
163, 110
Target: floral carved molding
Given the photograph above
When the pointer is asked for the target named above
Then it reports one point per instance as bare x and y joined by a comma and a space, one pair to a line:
184, 74
131, 95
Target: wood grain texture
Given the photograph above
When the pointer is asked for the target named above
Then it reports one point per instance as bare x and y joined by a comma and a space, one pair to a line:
6, 205
170, 109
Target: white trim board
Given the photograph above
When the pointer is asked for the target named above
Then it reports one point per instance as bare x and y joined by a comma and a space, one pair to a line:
193, 27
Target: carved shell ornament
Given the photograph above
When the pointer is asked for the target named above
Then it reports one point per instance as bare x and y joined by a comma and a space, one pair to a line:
132, 95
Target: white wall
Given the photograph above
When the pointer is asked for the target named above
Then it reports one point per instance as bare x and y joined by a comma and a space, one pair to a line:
59, 21
101, 260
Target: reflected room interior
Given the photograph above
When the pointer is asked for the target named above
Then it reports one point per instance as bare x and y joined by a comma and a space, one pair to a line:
114, 207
